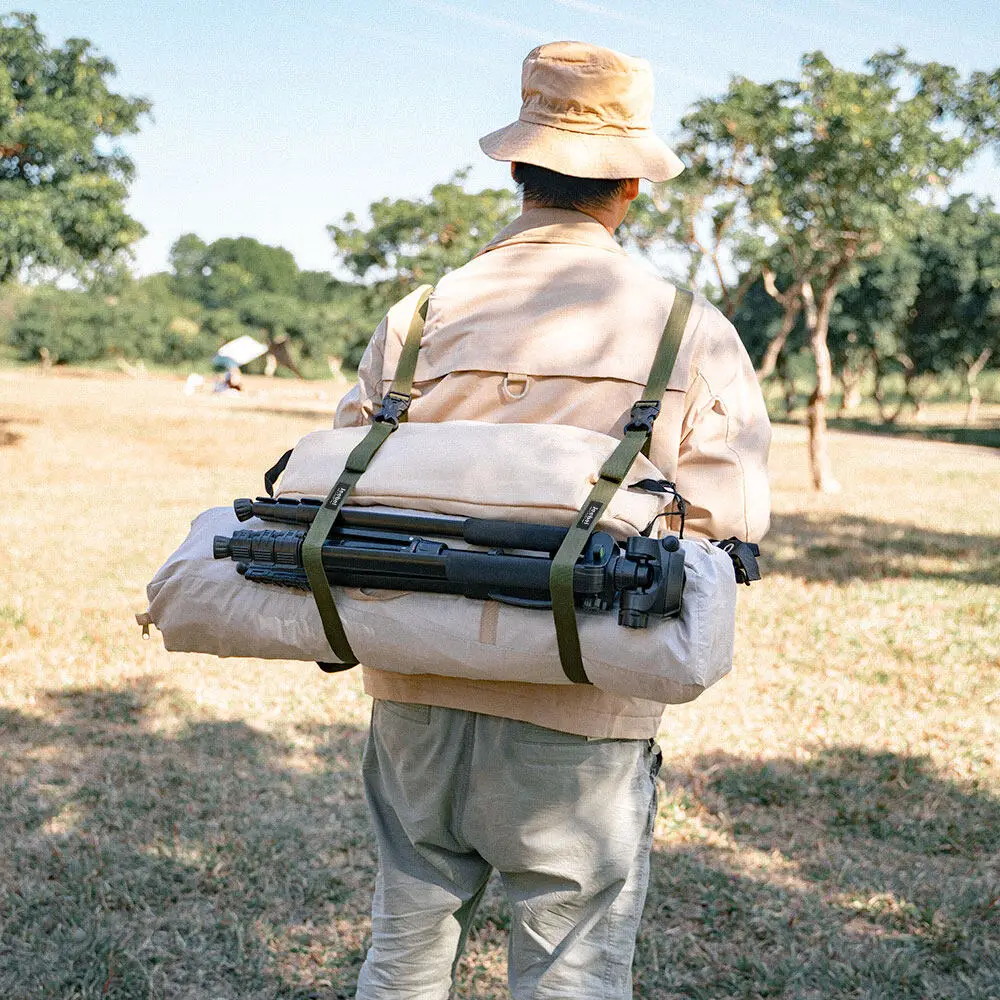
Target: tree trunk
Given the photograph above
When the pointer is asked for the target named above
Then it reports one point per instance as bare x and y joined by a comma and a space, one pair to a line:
877, 393
909, 376
972, 410
775, 347
818, 323
971, 374
791, 303
850, 380
787, 383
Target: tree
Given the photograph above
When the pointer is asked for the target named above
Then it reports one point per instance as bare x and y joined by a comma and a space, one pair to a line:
414, 241
220, 274
63, 180
828, 169
146, 321
954, 322
772, 334
871, 310
693, 215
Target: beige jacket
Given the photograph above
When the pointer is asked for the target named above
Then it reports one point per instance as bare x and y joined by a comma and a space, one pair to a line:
554, 322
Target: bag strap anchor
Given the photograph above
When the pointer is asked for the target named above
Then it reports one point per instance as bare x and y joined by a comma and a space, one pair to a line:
638, 433
384, 423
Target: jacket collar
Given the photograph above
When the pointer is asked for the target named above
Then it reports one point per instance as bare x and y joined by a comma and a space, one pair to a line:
555, 225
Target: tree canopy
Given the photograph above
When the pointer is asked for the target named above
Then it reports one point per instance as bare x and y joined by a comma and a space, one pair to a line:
411, 241
809, 176
63, 178
219, 274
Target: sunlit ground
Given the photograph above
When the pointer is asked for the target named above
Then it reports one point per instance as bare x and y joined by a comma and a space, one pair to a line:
178, 826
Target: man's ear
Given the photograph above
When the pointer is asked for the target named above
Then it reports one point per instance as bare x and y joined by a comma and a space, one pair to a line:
512, 166
632, 189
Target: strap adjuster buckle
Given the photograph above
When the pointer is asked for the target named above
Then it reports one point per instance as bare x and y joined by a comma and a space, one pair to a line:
642, 416
394, 405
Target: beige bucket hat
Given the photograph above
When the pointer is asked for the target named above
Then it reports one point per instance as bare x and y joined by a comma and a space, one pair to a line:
585, 112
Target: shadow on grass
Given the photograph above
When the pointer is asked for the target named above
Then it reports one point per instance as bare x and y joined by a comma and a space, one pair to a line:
850, 874
151, 852
848, 546
202, 861
9, 438
987, 437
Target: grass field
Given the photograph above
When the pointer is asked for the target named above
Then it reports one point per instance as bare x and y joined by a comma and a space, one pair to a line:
185, 827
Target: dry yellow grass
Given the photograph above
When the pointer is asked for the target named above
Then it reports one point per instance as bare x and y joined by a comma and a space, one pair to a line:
180, 826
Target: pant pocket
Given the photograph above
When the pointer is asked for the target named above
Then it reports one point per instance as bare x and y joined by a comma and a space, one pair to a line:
418, 714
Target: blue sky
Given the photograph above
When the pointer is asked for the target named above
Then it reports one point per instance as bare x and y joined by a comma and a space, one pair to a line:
272, 119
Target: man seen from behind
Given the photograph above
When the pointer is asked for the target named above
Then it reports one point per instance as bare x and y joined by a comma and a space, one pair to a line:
551, 786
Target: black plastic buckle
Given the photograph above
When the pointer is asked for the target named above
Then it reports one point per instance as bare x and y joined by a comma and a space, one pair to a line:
394, 405
643, 414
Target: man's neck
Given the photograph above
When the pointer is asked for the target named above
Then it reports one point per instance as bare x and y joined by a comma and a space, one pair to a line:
606, 217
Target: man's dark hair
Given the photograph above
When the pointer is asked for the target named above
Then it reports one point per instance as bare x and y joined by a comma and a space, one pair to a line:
549, 189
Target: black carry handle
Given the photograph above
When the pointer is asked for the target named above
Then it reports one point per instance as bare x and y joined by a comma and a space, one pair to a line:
744, 556
271, 476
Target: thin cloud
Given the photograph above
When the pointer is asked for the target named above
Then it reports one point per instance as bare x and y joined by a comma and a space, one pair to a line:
655, 26
483, 20
615, 15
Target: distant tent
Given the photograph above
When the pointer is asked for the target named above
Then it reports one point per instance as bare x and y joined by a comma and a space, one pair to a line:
238, 352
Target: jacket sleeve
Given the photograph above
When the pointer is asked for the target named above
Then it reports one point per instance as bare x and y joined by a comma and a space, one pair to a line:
725, 439
357, 407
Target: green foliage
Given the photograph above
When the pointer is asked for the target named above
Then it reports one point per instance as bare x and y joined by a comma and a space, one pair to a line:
757, 320
411, 242
318, 287
220, 274
956, 310
146, 321
874, 306
63, 181
12, 299
414, 241
813, 175
245, 286
925, 307
347, 323
829, 166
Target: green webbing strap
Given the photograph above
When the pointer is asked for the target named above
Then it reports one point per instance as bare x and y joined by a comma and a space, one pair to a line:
393, 410
637, 435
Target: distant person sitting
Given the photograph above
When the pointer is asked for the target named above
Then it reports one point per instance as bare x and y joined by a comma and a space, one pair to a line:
231, 357
230, 380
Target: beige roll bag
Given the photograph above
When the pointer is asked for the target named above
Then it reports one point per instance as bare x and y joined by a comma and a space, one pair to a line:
203, 605
532, 473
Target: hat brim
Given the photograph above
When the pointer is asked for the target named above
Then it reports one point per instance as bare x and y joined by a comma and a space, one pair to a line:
583, 154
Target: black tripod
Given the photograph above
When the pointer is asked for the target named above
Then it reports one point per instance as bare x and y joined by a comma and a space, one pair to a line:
388, 550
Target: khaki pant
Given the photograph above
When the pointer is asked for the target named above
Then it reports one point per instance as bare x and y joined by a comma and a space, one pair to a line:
566, 821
